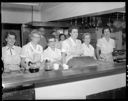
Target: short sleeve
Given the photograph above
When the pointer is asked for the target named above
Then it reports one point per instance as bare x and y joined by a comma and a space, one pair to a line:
114, 45
64, 47
79, 41
42, 56
3, 52
19, 50
99, 43
45, 55
41, 49
79, 44
24, 52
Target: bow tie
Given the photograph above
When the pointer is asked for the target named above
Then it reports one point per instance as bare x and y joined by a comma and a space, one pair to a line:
10, 49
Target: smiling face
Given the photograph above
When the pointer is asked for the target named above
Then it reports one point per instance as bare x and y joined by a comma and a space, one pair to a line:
62, 38
35, 38
107, 33
42, 30
51, 42
74, 33
87, 39
11, 40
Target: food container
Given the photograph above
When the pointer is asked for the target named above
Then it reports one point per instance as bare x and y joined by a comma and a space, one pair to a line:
56, 66
33, 70
48, 66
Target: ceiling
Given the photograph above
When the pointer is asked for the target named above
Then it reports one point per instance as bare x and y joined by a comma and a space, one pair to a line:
45, 5
28, 6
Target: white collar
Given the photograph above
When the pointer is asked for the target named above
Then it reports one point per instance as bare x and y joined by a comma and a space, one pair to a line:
11, 47
49, 48
106, 40
86, 45
73, 42
33, 47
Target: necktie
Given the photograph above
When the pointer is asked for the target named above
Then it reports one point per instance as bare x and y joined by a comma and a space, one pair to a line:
10, 51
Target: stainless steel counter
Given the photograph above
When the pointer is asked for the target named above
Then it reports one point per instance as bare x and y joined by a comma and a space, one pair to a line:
46, 78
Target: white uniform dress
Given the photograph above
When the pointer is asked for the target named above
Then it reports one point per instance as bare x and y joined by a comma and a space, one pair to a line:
71, 48
106, 48
88, 51
52, 55
31, 54
11, 57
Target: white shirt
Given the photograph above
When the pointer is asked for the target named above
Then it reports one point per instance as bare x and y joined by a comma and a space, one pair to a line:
71, 48
11, 56
52, 55
88, 51
32, 54
106, 46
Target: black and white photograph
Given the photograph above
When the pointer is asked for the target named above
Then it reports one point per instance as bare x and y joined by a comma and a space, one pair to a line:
63, 50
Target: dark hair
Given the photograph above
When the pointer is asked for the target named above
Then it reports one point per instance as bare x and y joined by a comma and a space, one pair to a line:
42, 31
34, 31
104, 28
50, 37
61, 35
85, 34
6, 35
53, 32
72, 27
10, 33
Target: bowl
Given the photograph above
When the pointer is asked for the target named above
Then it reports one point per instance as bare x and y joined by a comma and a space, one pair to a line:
33, 70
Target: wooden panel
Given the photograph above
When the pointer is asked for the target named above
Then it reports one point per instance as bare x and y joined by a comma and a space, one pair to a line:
28, 94
112, 94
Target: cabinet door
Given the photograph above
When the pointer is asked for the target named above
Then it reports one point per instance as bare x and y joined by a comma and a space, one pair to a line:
119, 93
102, 95
27, 94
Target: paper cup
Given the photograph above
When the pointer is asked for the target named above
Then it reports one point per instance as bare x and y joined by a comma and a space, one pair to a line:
65, 66
56, 66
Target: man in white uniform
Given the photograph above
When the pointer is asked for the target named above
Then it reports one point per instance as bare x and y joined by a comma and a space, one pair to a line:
71, 47
52, 53
88, 49
11, 54
32, 52
106, 45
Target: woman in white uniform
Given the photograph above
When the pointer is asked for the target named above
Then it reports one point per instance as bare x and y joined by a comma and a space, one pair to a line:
105, 46
62, 37
11, 54
88, 49
71, 47
52, 53
32, 52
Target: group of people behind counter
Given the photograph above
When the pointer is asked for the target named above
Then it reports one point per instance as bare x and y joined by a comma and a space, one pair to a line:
15, 57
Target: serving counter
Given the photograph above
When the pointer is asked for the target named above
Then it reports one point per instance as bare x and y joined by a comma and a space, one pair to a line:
69, 84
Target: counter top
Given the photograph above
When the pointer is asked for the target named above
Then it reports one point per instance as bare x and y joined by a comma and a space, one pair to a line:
46, 78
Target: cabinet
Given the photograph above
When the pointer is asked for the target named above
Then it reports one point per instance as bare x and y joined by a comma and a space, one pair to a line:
19, 93
119, 93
